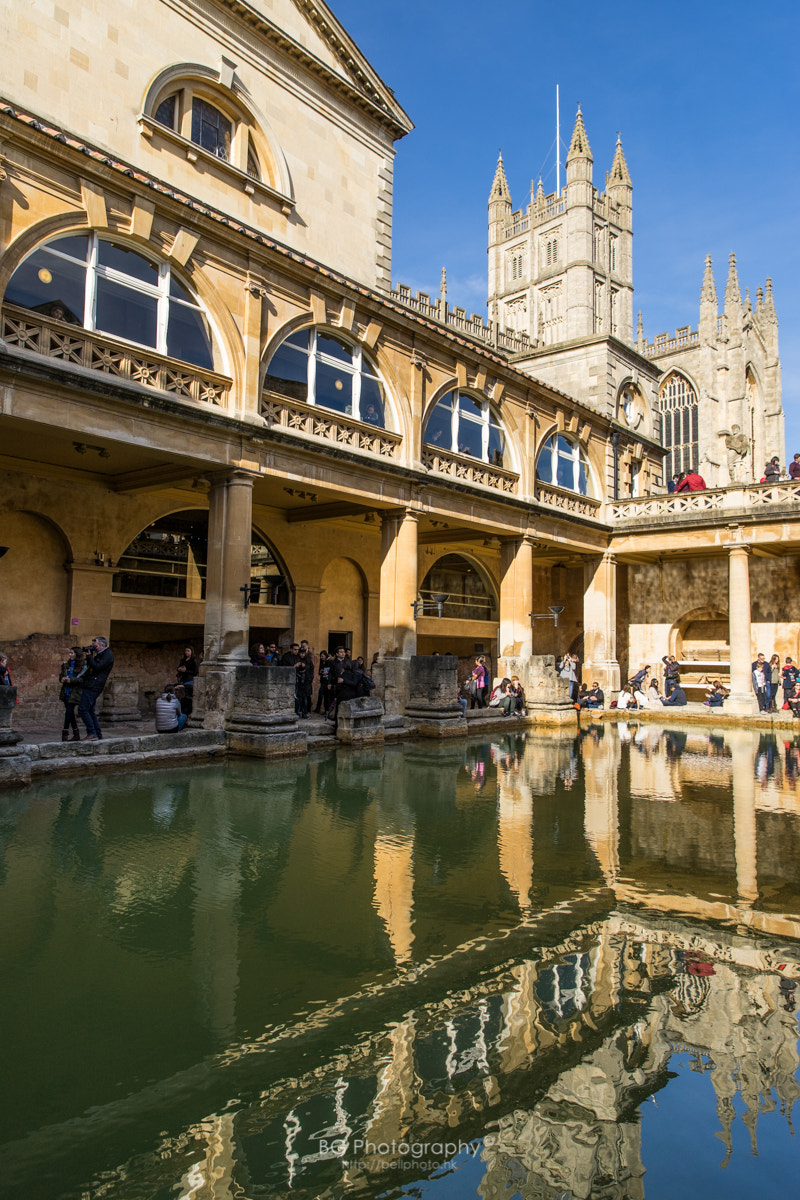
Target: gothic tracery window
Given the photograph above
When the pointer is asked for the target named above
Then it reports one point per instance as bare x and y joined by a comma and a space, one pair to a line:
677, 401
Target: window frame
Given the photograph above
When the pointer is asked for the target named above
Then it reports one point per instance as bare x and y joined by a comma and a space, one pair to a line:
489, 419
160, 291
577, 457
359, 367
682, 454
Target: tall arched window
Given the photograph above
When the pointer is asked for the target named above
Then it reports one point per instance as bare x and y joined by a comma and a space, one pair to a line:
319, 367
107, 287
562, 462
678, 403
465, 424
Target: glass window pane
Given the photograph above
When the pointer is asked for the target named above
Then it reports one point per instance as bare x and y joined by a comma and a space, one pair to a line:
470, 438
496, 445
289, 363
334, 349
565, 472
583, 482
179, 292
75, 247
49, 285
165, 113
437, 430
188, 337
127, 261
372, 410
298, 339
125, 313
564, 445
544, 463
471, 407
211, 130
334, 388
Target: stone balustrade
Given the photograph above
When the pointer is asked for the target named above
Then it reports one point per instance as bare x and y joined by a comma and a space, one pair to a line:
66, 343
714, 500
473, 325
329, 426
570, 502
470, 470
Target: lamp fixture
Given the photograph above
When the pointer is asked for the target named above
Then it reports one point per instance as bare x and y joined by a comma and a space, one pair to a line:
554, 612
437, 601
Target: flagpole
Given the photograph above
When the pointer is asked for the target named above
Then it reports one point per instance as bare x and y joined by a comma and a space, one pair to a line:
558, 146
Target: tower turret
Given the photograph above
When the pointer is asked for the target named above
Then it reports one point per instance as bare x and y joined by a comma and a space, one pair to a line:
499, 217
579, 155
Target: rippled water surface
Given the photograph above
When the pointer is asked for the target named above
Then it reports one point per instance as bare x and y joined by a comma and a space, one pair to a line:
545, 966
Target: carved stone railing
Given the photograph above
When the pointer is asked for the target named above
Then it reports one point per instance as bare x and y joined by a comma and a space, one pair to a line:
328, 426
716, 501
470, 470
71, 344
472, 324
570, 502
665, 343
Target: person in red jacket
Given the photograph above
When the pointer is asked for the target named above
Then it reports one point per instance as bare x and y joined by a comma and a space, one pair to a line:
691, 482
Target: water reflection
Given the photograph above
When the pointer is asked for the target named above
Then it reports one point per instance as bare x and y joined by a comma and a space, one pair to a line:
324, 976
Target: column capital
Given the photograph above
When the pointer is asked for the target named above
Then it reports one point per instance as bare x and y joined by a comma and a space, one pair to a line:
738, 547
231, 475
400, 514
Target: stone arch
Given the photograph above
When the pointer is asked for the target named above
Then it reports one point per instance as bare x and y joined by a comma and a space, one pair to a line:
701, 632
591, 454
489, 591
34, 577
343, 606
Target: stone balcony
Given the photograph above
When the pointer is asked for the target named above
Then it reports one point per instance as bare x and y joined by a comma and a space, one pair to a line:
716, 505
34, 333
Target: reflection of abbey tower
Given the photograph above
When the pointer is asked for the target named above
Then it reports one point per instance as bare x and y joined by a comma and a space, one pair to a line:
561, 275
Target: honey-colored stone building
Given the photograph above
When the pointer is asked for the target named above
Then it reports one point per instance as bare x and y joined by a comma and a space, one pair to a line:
222, 426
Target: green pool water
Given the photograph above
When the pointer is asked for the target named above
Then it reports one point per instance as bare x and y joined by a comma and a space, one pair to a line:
543, 966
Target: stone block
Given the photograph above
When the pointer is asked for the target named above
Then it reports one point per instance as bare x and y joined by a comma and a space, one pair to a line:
260, 718
15, 770
360, 721
391, 676
432, 704
8, 704
121, 701
546, 693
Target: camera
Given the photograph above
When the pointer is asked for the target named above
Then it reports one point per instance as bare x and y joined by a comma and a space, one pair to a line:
82, 649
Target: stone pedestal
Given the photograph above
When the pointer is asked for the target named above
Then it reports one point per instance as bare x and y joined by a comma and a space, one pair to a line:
260, 719
360, 721
120, 701
391, 686
432, 703
546, 693
15, 764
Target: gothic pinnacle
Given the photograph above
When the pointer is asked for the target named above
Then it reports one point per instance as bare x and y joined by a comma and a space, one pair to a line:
619, 168
708, 292
500, 189
579, 146
733, 296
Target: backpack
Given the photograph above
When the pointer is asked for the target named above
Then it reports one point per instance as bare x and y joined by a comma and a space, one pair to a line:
364, 685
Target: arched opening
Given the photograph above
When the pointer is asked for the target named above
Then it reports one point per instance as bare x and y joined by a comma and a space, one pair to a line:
110, 288
699, 641
562, 461
322, 368
469, 621
465, 423
342, 609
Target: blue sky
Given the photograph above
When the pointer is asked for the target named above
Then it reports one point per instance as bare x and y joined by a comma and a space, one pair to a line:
705, 96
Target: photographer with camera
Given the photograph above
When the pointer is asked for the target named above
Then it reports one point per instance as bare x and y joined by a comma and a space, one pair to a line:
99, 661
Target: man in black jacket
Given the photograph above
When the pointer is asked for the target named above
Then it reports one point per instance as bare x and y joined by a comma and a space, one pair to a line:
99, 661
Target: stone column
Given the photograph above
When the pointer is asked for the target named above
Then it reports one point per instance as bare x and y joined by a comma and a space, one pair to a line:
399, 577
742, 748
742, 699
516, 599
600, 624
230, 523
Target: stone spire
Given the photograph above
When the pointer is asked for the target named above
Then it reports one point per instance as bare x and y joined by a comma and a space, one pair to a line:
579, 146
639, 332
500, 189
443, 286
769, 304
540, 194
708, 306
733, 303
619, 168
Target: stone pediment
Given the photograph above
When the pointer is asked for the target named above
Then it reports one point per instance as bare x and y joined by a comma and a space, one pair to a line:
309, 32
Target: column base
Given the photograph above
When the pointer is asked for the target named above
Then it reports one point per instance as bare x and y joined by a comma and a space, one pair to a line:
741, 704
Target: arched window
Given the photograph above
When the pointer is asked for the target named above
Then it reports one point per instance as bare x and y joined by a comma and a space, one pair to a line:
318, 367
678, 403
456, 577
465, 424
562, 462
106, 287
169, 559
